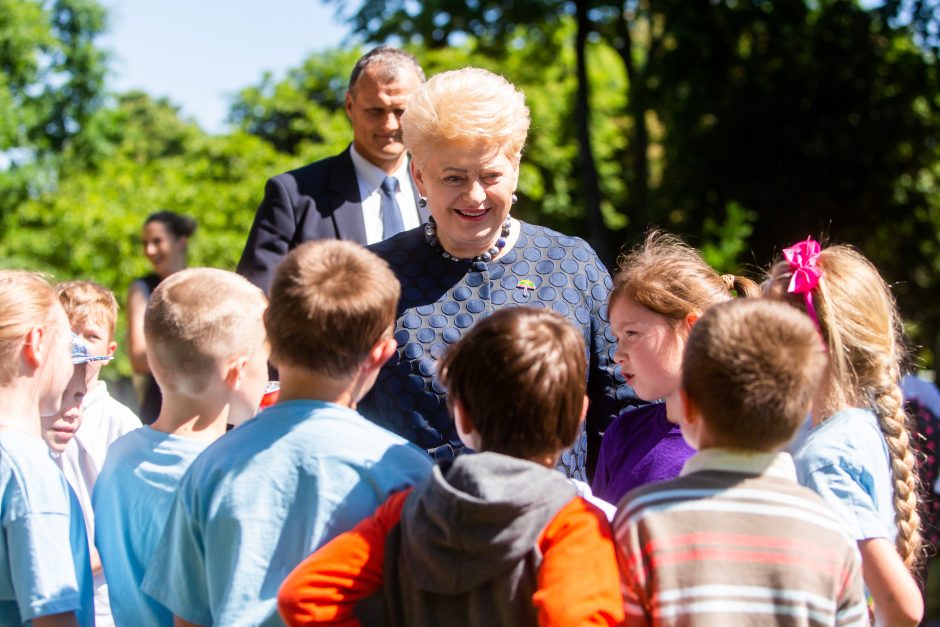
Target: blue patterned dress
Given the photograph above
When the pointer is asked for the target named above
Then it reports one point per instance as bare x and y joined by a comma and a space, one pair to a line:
442, 298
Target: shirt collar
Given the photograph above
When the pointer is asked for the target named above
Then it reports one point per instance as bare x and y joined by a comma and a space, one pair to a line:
752, 462
370, 176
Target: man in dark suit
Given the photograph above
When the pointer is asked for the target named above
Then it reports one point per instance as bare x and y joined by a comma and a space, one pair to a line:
364, 194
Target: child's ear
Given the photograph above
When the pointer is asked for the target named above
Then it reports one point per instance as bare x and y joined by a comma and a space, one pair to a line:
691, 420
235, 372
691, 319
690, 412
33, 350
463, 421
584, 408
382, 351
112, 346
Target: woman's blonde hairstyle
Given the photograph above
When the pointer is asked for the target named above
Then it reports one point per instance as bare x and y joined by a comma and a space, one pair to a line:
26, 301
669, 277
470, 105
860, 324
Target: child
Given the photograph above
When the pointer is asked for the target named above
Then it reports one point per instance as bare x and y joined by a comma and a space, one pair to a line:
735, 540
98, 418
857, 455
495, 538
59, 430
660, 290
265, 495
207, 324
92, 311
45, 575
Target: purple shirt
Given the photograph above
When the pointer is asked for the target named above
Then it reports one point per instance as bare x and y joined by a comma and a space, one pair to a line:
640, 446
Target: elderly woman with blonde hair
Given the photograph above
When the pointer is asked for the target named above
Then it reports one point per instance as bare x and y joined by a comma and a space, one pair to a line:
465, 130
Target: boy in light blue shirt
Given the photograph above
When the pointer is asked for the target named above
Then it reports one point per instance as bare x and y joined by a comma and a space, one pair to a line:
209, 324
264, 496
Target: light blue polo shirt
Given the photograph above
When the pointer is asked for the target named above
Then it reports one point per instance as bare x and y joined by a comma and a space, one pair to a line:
262, 498
845, 460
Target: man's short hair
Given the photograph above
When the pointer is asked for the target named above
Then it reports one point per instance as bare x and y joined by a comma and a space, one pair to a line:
87, 301
331, 301
521, 374
752, 368
198, 318
388, 61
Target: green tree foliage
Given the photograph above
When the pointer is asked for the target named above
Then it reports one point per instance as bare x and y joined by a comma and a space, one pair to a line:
311, 96
140, 158
51, 83
760, 120
302, 114
744, 125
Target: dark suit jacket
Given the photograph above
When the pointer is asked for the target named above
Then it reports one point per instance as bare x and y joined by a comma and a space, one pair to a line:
320, 200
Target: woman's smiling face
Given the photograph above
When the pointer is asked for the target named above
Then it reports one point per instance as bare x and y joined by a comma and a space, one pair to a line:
469, 190
165, 251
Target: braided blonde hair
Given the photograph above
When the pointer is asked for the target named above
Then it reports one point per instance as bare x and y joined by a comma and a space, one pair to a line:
859, 321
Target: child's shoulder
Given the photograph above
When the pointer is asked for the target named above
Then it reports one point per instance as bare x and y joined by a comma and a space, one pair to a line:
850, 438
29, 479
628, 420
296, 432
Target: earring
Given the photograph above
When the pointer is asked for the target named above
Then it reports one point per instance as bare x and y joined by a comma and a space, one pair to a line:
422, 202
515, 199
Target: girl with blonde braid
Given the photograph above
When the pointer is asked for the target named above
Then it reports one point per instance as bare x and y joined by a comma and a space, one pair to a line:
857, 455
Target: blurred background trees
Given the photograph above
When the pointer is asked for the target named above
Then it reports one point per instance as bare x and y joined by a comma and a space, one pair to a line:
742, 125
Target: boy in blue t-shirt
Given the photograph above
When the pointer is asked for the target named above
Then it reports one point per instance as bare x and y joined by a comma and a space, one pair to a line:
263, 497
209, 324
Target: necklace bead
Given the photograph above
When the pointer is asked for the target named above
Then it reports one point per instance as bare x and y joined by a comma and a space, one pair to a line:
430, 236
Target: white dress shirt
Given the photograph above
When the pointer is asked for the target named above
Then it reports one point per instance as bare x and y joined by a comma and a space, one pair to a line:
370, 179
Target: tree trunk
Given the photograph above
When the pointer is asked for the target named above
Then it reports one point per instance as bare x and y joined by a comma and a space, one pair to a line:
597, 231
639, 139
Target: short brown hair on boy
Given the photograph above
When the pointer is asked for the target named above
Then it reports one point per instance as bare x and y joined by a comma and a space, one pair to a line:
197, 318
331, 301
86, 301
752, 368
521, 374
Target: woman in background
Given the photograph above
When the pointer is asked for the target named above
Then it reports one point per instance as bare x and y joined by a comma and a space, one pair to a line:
165, 238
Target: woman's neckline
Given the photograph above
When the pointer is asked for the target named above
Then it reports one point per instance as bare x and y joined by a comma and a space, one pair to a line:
509, 235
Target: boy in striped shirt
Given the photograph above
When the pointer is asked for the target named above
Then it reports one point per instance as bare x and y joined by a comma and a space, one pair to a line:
735, 539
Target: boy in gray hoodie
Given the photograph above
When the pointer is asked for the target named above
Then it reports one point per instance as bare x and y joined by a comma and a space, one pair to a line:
494, 538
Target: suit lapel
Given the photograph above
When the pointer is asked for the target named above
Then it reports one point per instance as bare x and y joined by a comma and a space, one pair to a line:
347, 218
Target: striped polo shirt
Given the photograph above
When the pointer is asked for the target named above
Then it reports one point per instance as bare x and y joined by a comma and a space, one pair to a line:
735, 540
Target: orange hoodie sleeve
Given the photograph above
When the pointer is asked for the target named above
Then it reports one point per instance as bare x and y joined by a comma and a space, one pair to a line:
325, 587
579, 581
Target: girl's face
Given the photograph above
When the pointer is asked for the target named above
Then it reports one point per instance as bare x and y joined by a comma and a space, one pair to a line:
166, 252
649, 349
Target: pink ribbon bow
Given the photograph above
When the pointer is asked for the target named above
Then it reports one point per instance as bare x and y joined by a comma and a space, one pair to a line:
803, 259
